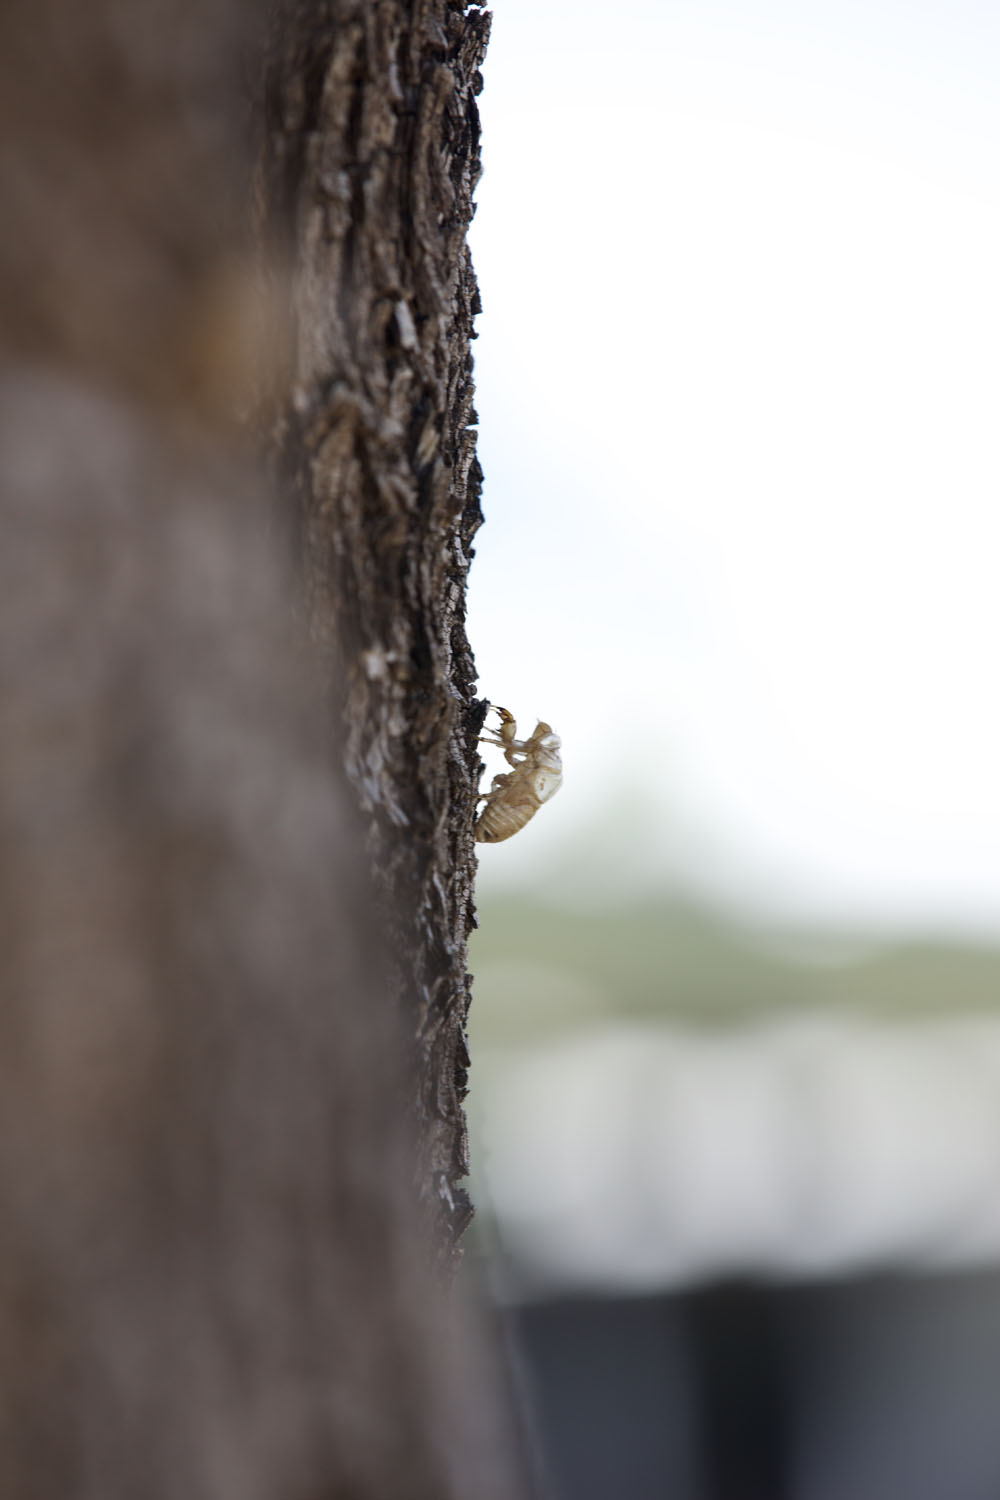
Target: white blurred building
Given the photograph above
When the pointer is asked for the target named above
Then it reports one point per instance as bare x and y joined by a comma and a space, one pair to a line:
647, 1157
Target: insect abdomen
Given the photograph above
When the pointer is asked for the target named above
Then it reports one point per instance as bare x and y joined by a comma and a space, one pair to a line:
499, 820
516, 795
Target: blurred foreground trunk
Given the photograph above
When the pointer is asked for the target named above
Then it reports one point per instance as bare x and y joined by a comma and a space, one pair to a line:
233, 976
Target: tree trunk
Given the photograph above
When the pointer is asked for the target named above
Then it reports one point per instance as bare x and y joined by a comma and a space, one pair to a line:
224, 1062
371, 154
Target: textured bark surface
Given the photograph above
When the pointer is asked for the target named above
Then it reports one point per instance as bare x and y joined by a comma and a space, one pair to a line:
371, 157
214, 1274
210, 1277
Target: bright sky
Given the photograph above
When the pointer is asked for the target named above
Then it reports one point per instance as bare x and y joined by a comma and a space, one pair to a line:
739, 390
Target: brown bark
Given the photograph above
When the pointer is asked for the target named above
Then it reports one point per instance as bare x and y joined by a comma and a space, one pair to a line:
371, 157
214, 1278
205, 1217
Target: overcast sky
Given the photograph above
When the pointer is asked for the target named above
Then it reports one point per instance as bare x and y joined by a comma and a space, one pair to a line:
739, 384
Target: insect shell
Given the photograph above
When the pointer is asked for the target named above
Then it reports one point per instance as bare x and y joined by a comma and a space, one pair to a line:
516, 795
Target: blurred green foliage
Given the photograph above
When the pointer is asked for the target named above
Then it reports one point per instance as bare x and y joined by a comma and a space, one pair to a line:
544, 970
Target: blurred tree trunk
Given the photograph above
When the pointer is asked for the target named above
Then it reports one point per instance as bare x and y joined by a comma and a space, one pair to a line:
235, 874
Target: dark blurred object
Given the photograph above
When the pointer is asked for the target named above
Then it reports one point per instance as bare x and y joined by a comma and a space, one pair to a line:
609, 1396
874, 1389
736, 1349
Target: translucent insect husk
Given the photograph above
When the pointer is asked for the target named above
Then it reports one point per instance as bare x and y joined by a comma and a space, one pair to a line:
516, 795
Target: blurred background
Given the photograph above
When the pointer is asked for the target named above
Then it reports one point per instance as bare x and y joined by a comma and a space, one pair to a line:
736, 1027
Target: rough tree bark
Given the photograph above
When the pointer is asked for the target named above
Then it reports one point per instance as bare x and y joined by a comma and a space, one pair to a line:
215, 1279
371, 154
